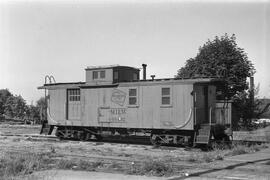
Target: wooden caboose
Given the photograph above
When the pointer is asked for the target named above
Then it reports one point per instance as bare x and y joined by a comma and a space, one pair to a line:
115, 101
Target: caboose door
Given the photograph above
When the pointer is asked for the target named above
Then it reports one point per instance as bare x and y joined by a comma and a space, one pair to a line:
73, 104
204, 101
200, 102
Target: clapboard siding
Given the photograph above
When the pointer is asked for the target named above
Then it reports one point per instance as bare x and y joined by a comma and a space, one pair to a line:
98, 106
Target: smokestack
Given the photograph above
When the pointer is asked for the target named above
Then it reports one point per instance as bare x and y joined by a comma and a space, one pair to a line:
144, 71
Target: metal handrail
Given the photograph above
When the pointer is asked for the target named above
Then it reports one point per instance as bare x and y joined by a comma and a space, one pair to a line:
187, 121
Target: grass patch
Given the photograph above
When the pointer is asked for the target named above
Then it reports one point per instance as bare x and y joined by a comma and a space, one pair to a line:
244, 148
192, 158
65, 164
21, 164
115, 166
83, 165
12, 165
205, 157
153, 168
219, 151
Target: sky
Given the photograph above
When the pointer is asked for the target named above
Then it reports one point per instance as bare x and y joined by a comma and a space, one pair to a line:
62, 38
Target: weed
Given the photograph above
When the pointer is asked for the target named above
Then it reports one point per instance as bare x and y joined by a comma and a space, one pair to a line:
98, 143
219, 157
66, 164
192, 158
205, 157
125, 155
220, 146
152, 167
97, 164
208, 157
157, 168
85, 165
52, 149
16, 140
114, 165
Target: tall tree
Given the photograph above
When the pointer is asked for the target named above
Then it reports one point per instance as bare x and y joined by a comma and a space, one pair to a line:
220, 57
15, 107
4, 94
41, 103
42, 107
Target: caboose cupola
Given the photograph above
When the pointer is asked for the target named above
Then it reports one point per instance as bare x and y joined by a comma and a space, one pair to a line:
111, 74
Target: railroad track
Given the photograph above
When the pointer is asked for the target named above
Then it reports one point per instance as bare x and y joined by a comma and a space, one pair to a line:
32, 136
139, 140
126, 140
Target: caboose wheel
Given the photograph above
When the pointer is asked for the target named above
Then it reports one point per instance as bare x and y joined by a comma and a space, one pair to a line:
98, 137
82, 136
155, 140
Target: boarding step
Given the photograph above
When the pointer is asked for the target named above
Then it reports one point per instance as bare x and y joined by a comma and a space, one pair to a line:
202, 139
46, 129
204, 132
202, 136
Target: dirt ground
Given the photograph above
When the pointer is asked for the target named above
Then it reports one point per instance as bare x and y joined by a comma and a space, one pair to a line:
120, 158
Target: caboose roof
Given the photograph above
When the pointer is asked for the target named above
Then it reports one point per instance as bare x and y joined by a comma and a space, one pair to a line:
132, 83
109, 67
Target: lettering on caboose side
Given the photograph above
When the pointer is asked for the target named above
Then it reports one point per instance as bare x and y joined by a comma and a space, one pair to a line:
112, 115
118, 111
117, 115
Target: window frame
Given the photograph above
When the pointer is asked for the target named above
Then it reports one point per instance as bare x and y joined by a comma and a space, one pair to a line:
103, 72
136, 96
95, 73
115, 75
98, 75
166, 95
74, 95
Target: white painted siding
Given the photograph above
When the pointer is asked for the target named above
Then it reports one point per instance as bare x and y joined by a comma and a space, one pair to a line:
109, 107
57, 104
100, 108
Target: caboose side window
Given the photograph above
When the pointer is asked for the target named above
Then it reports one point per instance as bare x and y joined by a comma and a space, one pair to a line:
166, 96
95, 74
133, 96
115, 75
74, 95
102, 74
99, 74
